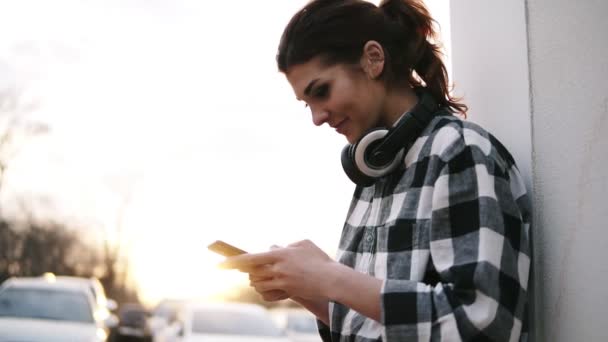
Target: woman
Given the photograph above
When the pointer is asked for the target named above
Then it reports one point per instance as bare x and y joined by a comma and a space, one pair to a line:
435, 249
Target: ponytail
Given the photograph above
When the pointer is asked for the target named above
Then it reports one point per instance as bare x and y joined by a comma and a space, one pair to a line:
412, 28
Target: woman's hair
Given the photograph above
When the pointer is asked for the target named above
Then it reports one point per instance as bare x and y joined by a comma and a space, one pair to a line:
337, 30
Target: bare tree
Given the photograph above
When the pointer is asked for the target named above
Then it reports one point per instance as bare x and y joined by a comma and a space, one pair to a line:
16, 254
29, 248
116, 258
8, 250
15, 126
34, 248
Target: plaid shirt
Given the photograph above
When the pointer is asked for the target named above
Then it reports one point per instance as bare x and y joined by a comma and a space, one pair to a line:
448, 235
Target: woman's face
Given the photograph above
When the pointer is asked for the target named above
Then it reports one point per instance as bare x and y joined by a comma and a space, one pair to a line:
342, 96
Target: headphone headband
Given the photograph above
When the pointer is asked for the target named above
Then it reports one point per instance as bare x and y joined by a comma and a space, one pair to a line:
410, 125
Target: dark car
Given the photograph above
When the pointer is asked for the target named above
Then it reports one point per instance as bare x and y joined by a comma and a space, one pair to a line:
133, 324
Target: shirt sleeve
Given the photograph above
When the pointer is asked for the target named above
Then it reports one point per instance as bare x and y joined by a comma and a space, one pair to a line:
479, 249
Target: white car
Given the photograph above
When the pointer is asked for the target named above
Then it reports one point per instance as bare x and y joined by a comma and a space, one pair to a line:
299, 324
39, 309
164, 316
103, 306
226, 322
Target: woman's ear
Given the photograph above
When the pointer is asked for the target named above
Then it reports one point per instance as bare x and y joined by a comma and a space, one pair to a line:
372, 60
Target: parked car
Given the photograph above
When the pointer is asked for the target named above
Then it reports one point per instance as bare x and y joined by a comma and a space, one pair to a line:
162, 317
40, 309
299, 324
104, 306
226, 322
133, 324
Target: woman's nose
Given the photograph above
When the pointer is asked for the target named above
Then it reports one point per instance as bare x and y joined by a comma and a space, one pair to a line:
319, 116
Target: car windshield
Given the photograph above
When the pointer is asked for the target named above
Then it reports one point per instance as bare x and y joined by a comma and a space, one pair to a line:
45, 304
302, 323
234, 323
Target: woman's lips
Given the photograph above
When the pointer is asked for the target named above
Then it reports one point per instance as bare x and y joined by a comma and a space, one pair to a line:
341, 126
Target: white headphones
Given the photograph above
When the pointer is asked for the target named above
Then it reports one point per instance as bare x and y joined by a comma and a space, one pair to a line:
380, 151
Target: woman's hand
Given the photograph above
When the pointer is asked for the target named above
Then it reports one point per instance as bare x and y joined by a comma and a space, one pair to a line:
271, 295
298, 270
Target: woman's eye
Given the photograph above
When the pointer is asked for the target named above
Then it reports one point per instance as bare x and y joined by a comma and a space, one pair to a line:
321, 91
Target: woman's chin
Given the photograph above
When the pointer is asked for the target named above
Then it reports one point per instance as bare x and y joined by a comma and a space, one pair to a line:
352, 137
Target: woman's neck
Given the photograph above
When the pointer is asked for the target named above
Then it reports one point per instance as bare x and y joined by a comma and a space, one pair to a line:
397, 103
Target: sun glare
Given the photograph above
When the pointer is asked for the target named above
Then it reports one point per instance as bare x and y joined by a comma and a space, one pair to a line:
196, 275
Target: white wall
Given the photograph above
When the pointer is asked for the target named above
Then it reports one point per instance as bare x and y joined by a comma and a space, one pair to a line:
490, 70
552, 57
568, 44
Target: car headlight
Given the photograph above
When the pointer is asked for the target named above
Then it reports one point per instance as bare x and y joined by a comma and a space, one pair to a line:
101, 335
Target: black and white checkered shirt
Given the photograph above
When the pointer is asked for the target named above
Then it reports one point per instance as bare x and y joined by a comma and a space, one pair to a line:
449, 236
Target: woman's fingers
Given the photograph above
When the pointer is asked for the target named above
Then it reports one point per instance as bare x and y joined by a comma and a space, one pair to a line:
247, 261
265, 285
254, 278
274, 295
265, 271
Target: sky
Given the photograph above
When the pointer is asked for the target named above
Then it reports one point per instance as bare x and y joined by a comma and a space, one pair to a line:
173, 113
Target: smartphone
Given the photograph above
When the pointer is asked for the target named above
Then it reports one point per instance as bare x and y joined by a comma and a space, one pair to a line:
225, 249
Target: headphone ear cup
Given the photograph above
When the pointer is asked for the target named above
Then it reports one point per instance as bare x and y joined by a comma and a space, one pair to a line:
357, 166
350, 168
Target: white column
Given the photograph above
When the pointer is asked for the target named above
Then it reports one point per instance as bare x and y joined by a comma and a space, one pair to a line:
535, 72
490, 71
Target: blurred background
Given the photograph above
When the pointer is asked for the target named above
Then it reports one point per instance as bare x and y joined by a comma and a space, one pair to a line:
133, 133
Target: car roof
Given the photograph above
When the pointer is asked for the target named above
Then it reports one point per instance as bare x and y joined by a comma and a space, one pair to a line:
82, 280
91, 282
44, 283
76, 278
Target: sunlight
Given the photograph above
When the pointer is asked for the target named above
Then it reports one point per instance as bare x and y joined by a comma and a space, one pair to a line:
195, 276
